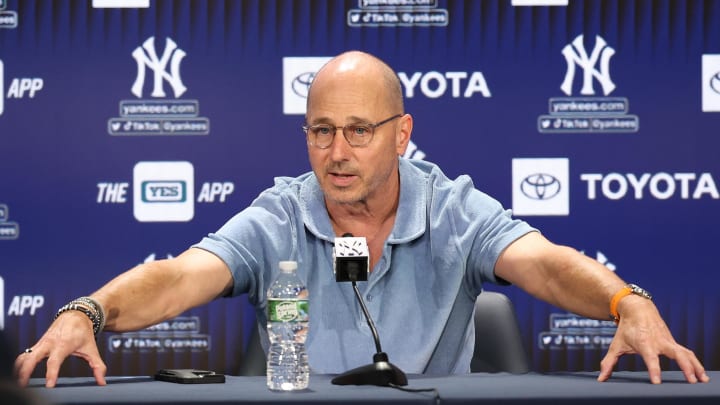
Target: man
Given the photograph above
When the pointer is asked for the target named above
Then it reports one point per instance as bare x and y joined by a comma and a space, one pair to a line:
432, 242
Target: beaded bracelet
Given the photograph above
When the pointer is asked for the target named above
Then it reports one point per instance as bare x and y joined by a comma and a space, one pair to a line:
98, 309
90, 308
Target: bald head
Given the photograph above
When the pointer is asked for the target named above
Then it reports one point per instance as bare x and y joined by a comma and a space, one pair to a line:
361, 69
356, 91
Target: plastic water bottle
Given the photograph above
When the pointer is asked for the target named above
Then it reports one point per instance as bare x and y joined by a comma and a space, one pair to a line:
287, 314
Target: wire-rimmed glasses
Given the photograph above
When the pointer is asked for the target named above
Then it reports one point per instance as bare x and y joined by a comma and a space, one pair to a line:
357, 135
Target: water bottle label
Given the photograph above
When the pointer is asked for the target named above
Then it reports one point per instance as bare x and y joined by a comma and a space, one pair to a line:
288, 310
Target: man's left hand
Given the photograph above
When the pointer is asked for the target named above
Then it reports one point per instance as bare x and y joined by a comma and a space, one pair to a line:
642, 331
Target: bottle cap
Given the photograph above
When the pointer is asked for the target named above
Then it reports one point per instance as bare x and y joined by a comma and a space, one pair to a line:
288, 266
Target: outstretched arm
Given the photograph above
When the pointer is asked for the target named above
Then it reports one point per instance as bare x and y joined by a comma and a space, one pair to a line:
138, 298
570, 280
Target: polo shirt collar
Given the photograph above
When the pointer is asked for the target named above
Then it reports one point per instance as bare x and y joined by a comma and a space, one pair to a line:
411, 216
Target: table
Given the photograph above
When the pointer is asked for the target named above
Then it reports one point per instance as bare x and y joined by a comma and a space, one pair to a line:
532, 388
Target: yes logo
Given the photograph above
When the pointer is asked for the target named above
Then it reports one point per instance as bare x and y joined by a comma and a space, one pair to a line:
163, 191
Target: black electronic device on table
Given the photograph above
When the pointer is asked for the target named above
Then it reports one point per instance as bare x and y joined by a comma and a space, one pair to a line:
189, 376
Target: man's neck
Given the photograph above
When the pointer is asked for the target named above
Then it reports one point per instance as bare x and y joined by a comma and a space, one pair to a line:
372, 218
361, 214
361, 220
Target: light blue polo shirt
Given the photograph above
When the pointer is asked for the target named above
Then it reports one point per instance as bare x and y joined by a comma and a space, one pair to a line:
444, 244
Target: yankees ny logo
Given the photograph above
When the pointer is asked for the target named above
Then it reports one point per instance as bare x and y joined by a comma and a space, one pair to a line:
146, 56
576, 54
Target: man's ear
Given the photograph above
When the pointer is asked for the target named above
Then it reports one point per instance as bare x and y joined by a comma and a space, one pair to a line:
402, 136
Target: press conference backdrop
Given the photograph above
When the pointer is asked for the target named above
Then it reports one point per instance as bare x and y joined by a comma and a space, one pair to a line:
127, 134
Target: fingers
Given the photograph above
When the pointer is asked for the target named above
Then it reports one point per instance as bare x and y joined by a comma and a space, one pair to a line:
53, 369
27, 361
608, 363
88, 352
652, 362
24, 365
651, 343
95, 362
699, 369
691, 366
685, 358
55, 357
99, 373
687, 368
70, 334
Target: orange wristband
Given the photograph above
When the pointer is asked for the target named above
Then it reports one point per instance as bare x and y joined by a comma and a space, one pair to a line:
624, 292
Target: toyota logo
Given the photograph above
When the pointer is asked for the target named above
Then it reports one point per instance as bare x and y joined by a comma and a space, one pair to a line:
715, 82
301, 83
540, 186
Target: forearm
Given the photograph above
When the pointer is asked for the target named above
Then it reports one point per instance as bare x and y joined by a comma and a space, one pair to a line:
561, 276
580, 284
156, 291
139, 297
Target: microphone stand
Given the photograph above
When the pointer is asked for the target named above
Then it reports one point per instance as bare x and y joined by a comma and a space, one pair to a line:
380, 371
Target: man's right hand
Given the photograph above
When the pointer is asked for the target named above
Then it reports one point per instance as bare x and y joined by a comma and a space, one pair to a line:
70, 334
193, 278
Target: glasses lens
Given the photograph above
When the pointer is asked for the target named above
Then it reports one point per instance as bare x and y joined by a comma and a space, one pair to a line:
359, 134
321, 135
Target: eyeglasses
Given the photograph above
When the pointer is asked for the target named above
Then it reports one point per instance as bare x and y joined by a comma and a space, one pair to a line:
360, 134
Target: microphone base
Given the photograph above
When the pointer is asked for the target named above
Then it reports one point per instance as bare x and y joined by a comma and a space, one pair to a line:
380, 372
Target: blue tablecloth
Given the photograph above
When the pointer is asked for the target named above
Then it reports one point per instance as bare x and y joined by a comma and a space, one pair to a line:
555, 388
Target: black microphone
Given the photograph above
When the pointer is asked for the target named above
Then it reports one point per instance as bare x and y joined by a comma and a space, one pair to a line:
351, 260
